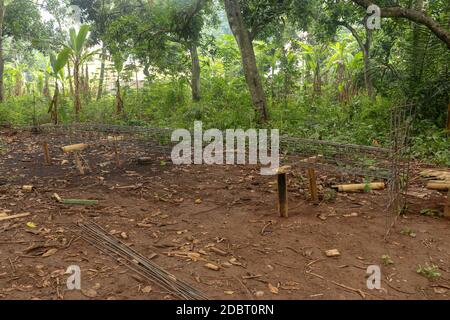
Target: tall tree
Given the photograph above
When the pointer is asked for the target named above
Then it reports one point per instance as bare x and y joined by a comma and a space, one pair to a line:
244, 41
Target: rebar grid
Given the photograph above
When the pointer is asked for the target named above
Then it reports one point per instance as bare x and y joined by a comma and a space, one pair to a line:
390, 164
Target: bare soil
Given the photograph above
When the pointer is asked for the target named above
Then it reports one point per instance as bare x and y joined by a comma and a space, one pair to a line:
194, 208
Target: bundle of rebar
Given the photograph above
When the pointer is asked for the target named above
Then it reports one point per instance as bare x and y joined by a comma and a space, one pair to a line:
143, 266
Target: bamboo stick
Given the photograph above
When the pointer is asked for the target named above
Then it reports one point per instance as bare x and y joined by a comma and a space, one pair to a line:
16, 216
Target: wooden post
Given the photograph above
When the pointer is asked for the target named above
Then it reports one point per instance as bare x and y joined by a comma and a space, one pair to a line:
313, 185
282, 195
282, 191
48, 160
78, 162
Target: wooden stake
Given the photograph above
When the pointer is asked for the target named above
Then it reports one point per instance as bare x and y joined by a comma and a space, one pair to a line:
313, 185
48, 160
78, 162
282, 195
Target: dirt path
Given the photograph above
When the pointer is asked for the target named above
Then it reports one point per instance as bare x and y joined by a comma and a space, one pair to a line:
160, 209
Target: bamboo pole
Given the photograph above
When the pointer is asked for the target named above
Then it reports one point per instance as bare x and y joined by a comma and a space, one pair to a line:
360, 187
75, 147
441, 186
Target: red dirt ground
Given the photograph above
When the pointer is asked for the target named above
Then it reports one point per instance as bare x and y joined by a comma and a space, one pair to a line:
193, 208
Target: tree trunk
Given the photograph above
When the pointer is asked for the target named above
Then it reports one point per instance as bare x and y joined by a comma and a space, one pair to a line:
366, 57
244, 41
119, 101
195, 81
76, 79
102, 74
317, 79
2, 61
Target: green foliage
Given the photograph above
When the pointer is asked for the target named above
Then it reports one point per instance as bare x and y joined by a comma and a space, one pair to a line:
386, 260
429, 271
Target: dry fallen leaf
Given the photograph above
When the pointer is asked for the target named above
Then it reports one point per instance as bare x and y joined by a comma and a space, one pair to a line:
273, 289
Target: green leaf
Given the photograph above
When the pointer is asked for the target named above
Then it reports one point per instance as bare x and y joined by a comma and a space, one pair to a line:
81, 38
61, 60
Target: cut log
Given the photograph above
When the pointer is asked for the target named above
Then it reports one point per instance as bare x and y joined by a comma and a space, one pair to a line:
441, 186
75, 147
16, 216
359, 187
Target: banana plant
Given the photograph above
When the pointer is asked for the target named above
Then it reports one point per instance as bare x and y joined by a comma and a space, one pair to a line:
57, 71
79, 54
